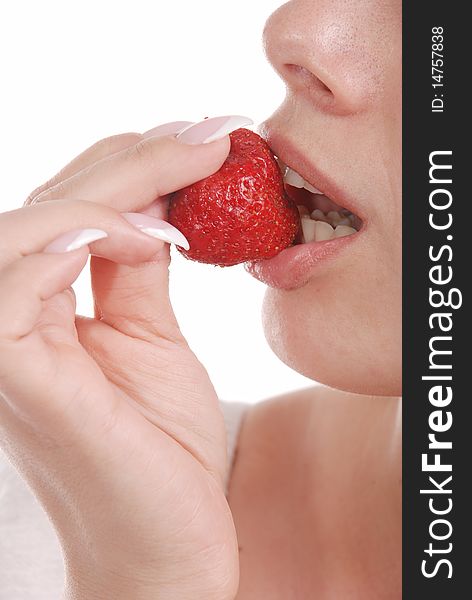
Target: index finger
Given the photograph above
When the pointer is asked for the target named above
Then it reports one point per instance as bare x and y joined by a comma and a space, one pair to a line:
94, 153
132, 179
102, 149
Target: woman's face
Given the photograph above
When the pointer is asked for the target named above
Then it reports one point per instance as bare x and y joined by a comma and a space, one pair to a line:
333, 311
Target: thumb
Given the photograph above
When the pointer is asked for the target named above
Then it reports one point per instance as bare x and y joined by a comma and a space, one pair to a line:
134, 299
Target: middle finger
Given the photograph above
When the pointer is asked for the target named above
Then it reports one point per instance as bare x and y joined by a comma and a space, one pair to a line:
29, 229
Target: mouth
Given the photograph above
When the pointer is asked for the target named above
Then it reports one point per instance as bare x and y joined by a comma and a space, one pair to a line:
322, 219
328, 219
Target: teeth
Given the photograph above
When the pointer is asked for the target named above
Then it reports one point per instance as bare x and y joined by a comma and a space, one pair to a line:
333, 217
323, 231
282, 165
342, 231
311, 189
318, 215
319, 227
309, 230
303, 210
293, 178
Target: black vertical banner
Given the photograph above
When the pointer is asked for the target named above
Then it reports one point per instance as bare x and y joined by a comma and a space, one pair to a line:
437, 262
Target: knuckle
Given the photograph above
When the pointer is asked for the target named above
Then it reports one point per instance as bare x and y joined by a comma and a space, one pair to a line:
104, 146
32, 198
99, 150
98, 212
59, 189
54, 185
79, 212
101, 215
144, 153
52, 190
115, 143
55, 190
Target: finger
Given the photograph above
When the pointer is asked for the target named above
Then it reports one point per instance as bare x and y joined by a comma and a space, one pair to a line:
167, 129
134, 299
27, 282
134, 178
26, 285
30, 229
131, 180
96, 152
58, 316
43, 373
102, 149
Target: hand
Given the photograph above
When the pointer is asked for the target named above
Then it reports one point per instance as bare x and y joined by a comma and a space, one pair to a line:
113, 421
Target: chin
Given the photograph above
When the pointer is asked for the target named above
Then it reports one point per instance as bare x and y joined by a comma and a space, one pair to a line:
357, 353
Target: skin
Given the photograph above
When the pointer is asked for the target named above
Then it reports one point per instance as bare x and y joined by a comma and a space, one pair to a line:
315, 492
316, 486
316, 497
352, 313
118, 402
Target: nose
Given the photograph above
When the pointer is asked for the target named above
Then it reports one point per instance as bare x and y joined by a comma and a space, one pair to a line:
335, 52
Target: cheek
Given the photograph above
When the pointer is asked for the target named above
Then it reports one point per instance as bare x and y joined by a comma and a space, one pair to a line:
342, 330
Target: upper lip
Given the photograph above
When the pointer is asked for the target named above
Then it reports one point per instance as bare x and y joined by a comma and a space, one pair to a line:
288, 153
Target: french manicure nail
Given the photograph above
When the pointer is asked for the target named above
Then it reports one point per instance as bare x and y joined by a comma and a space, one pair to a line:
210, 130
73, 240
162, 230
167, 129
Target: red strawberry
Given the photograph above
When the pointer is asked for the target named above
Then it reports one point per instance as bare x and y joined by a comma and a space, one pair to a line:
240, 213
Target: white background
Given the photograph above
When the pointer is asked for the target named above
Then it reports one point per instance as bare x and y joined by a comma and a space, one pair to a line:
75, 72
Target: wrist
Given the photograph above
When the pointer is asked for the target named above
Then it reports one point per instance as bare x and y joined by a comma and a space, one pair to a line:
122, 588
100, 585
111, 592
107, 575
103, 590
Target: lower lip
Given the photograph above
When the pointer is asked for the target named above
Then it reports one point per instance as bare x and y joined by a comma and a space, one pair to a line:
295, 266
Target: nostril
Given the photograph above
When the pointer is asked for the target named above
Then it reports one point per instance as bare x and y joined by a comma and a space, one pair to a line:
303, 77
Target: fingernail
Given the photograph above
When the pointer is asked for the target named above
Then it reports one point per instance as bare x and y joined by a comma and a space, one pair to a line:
162, 230
210, 130
73, 240
167, 129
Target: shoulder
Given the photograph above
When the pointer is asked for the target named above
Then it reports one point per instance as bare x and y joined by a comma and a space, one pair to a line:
320, 471
321, 437
328, 415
